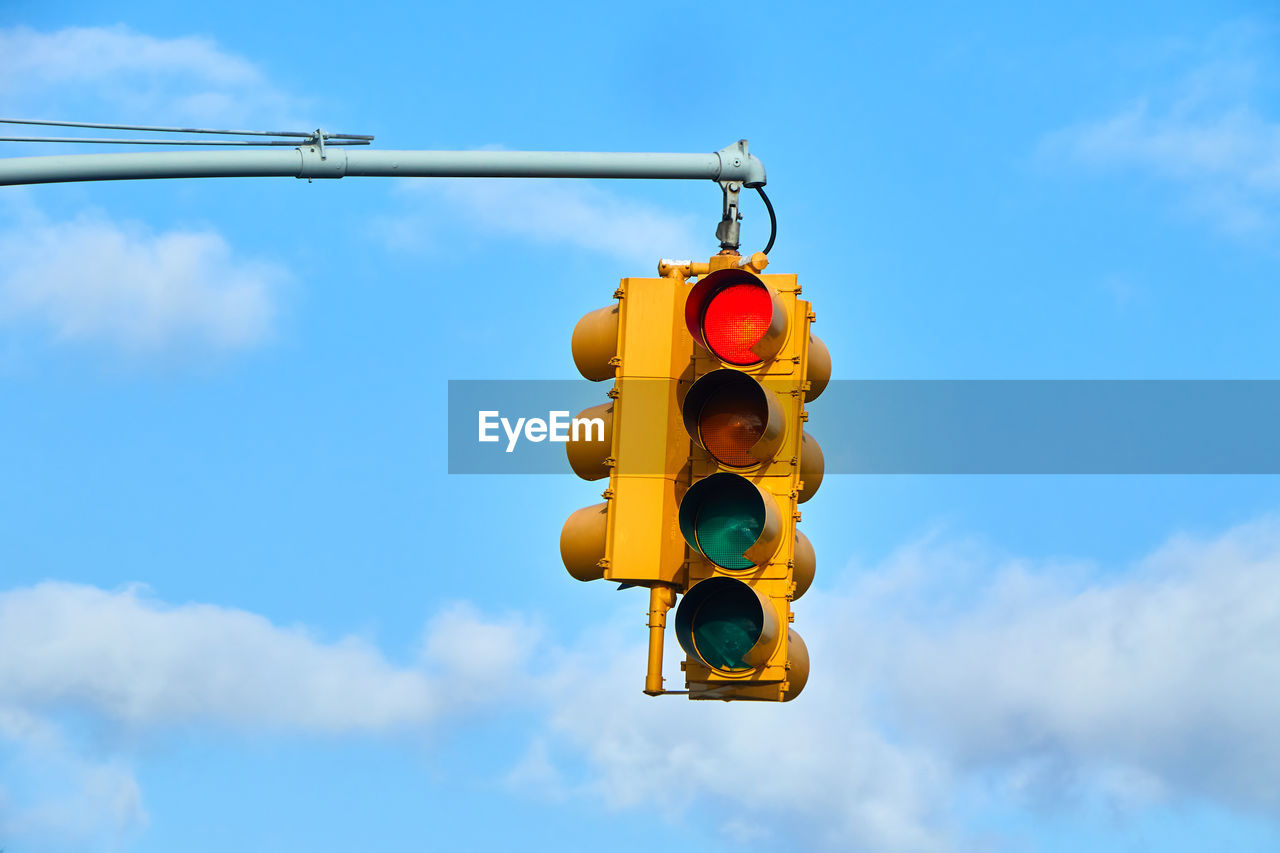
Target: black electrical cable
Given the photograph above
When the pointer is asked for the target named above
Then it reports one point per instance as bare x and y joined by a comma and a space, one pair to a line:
773, 220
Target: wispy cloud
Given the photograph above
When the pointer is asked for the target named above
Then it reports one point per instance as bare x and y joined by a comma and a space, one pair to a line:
56, 796
115, 74
547, 212
1213, 133
92, 280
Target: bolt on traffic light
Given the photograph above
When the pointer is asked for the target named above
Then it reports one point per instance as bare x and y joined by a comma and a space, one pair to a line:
707, 463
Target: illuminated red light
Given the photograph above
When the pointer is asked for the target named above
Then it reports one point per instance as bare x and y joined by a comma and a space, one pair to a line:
735, 319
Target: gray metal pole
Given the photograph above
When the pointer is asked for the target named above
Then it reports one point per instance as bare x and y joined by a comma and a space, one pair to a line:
315, 161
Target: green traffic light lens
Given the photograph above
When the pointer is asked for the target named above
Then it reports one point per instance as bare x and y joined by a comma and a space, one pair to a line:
724, 517
727, 525
727, 626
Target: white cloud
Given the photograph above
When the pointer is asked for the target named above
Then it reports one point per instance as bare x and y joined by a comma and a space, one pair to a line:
1164, 679
950, 670
816, 772
113, 74
152, 291
950, 674
93, 280
140, 663
481, 659
54, 797
1208, 134
69, 651
1227, 159
550, 212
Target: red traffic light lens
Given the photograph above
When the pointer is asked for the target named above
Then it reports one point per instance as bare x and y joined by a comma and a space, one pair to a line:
736, 318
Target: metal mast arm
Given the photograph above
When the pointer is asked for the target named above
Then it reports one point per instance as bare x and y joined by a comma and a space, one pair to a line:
315, 160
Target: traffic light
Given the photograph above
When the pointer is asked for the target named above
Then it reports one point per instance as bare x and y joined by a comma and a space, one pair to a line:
707, 462
755, 366
640, 343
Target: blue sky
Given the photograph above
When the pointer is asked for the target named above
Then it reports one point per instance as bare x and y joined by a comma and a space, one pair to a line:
243, 604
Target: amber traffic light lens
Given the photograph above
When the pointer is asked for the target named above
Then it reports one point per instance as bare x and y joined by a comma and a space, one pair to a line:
734, 418
730, 423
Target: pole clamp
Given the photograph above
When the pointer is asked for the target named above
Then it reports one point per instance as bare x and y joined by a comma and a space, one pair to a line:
319, 161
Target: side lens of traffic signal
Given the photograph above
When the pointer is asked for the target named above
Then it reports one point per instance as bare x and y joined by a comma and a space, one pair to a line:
797, 665
731, 521
736, 317
734, 418
595, 343
812, 467
726, 624
590, 442
582, 542
818, 371
804, 564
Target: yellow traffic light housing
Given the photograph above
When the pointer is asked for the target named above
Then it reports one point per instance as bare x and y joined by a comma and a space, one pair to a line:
640, 344
755, 366
707, 463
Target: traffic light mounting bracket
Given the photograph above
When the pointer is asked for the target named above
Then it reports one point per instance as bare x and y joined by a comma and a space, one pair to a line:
728, 229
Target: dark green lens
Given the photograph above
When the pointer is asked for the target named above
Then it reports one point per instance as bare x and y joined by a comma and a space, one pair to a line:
727, 525
726, 626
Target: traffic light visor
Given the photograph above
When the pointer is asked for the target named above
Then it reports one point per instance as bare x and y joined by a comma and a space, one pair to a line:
736, 317
731, 521
726, 624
